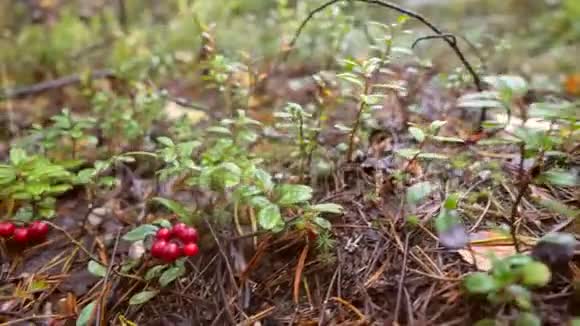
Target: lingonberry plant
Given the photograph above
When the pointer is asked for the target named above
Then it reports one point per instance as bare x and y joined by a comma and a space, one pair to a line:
170, 245
302, 127
30, 184
510, 281
66, 134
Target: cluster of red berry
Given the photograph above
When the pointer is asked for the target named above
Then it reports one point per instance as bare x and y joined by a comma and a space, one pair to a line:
34, 232
170, 244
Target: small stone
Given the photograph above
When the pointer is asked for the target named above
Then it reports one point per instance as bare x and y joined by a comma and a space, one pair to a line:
485, 174
96, 216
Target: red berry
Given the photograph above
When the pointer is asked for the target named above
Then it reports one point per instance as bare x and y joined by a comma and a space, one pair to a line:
188, 235
178, 230
171, 252
37, 230
158, 248
163, 234
190, 249
21, 235
6, 229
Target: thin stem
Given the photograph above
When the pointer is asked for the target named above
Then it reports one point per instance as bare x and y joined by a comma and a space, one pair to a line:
74, 148
356, 126
301, 144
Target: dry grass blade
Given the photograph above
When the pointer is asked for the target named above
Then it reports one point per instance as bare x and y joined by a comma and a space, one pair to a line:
298, 274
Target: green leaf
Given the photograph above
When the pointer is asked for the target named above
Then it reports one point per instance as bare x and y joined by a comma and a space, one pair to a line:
559, 207
327, 208
560, 177
528, 319
269, 217
259, 201
351, 78
417, 133
154, 272
171, 274
17, 156
289, 194
407, 153
553, 111
432, 156
97, 269
86, 315
436, 125
521, 295
85, 176
140, 233
451, 201
264, 180
219, 130
229, 174
162, 223
322, 222
174, 207
418, 192
448, 139
7, 174
166, 141
535, 274
142, 297
479, 283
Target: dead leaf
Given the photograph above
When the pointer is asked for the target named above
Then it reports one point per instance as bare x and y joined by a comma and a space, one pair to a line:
298, 275
175, 111
486, 244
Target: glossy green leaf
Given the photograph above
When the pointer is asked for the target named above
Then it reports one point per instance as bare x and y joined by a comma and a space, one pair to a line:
289, 194
142, 297
323, 223
448, 139
264, 180
141, 232
97, 269
17, 156
171, 274
154, 272
86, 314
560, 177
166, 141
407, 153
433, 156
327, 208
535, 274
269, 217
479, 283
417, 133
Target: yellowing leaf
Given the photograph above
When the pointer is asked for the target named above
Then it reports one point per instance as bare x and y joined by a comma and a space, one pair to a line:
126, 322
487, 244
175, 111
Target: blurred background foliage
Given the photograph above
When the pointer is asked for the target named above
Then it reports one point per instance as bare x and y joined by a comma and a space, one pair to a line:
43, 39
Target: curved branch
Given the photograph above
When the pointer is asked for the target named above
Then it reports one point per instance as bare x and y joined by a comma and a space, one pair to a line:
451, 42
446, 37
452, 38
